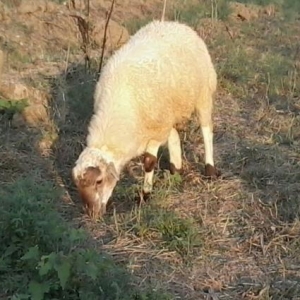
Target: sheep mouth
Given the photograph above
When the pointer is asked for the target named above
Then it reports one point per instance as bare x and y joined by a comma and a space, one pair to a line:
95, 210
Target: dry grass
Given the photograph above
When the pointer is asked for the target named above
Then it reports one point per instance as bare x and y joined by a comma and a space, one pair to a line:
234, 238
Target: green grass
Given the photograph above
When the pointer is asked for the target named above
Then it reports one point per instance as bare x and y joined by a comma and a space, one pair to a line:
154, 220
289, 8
43, 257
16, 59
191, 13
134, 25
262, 2
266, 64
165, 227
58, 1
11, 3
186, 12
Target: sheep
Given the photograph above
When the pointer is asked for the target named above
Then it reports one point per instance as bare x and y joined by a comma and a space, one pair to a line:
156, 80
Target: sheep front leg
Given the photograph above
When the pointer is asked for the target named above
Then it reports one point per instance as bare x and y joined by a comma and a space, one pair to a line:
174, 152
150, 160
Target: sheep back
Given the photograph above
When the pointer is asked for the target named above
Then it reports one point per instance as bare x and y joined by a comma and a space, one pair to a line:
153, 82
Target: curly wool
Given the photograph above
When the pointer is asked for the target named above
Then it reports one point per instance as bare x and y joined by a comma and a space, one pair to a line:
151, 83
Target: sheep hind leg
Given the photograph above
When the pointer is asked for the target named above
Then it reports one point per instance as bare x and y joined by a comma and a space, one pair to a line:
150, 160
174, 152
205, 120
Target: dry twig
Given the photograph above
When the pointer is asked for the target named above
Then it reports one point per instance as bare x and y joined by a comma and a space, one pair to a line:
83, 27
104, 37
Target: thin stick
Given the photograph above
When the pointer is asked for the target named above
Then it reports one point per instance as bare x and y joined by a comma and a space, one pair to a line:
164, 11
104, 37
88, 7
67, 60
229, 32
87, 46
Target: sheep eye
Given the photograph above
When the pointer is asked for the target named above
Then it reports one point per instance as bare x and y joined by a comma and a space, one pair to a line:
99, 181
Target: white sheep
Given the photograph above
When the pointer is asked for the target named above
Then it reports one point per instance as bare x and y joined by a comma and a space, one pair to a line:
157, 79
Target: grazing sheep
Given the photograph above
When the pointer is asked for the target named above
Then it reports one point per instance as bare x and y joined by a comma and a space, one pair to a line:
156, 80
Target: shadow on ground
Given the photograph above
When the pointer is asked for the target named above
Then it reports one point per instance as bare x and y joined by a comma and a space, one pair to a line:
31, 183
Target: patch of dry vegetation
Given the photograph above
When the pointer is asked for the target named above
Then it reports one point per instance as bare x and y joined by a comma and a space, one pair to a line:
234, 238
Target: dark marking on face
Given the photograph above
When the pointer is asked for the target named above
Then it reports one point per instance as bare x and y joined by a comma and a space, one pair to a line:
211, 172
149, 162
174, 170
90, 177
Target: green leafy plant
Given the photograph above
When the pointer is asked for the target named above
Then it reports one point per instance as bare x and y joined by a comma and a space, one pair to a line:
10, 107
44, 258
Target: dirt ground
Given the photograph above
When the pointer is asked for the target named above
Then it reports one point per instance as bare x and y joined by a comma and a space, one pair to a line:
242, 238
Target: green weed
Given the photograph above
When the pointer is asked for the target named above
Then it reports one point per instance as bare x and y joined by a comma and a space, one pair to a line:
44, 258
135, 24
9, 107
192, 13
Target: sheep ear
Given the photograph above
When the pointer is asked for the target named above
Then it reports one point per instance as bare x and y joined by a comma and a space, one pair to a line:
112, 170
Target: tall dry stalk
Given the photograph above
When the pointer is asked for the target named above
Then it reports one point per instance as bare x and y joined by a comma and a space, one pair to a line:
105, 36
83, 24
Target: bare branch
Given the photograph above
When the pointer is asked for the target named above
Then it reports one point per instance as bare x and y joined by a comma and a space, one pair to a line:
231, 35
83, 27
105, 35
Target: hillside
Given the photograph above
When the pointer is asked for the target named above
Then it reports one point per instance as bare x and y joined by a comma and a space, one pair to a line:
237, 237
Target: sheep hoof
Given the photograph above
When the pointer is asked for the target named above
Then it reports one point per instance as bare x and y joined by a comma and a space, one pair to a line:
174, 170
211, 172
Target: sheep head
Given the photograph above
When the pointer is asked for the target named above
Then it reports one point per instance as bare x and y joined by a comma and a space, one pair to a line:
95, 184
